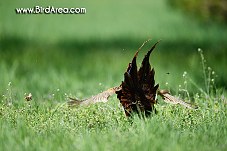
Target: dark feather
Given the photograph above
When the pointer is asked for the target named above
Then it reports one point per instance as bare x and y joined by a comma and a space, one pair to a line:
138, 91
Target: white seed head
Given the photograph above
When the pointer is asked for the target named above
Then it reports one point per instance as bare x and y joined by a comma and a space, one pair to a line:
30, 94
184, 74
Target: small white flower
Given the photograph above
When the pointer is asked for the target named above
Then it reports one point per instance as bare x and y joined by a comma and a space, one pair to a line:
209, 68
184, 74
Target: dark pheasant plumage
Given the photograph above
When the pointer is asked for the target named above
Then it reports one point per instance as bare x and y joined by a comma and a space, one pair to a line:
138, 91
138, 88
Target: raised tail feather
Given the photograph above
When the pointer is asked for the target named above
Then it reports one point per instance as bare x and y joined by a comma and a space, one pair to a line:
137, 90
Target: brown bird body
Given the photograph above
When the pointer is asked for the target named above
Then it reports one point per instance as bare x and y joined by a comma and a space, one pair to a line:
138, 91
138, 88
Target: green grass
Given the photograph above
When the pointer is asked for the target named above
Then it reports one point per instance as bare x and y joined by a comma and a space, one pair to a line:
47, 124
33, 126
55, 56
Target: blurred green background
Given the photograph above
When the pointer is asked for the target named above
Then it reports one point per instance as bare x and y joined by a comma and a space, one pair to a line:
207, 10
84, 54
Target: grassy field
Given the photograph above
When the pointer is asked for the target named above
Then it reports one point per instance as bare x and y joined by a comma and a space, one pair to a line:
55, 56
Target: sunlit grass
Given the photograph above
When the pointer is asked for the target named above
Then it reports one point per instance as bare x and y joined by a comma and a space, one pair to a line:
33, 126
46, 123
55, 56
